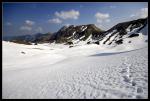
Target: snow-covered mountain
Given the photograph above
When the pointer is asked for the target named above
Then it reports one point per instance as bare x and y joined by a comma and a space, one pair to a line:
86, 34
91, 34
126, 30
76, 34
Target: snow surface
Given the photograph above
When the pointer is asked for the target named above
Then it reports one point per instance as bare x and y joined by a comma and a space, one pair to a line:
145, 30
112, 38
74, 33
84, 28
83, 71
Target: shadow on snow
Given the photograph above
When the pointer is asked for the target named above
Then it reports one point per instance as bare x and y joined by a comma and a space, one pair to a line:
114, 53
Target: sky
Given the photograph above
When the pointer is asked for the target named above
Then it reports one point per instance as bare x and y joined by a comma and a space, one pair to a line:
31, 18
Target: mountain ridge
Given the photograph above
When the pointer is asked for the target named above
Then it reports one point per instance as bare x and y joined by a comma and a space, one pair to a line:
88, 34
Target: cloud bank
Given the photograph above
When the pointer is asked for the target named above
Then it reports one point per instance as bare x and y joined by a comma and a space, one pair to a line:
55, 20
102, 17
142, 13
72, 14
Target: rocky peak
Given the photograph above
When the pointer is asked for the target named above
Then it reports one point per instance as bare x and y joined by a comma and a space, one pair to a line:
76, 32
63, 28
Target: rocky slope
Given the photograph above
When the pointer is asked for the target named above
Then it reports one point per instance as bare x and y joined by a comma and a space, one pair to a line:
124, 30
76, 33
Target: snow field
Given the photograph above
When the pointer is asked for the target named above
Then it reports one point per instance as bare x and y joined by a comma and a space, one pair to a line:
84, 71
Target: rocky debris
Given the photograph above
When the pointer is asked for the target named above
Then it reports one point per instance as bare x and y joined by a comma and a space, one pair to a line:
97, 42
23, 52
70, 46
119, 41
21, 42
69, 43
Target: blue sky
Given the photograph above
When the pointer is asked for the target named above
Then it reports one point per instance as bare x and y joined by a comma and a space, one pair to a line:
31, 18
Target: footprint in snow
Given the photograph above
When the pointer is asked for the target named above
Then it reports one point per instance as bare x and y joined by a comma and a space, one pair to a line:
126, 79
133, 83
139, 97
139, 90
123, 70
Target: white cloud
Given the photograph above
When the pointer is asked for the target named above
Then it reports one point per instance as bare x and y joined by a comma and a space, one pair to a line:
132, 15
29, 22
67, 24
72, 14
26, 28
100, 26
81, 6
8, 24
39, 30
55, 20
107, 20
99, 21
142, 13
112, 6
102, 17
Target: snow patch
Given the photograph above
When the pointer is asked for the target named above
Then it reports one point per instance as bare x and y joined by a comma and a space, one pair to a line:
84, 28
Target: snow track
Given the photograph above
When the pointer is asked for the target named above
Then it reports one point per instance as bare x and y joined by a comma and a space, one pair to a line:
91, 75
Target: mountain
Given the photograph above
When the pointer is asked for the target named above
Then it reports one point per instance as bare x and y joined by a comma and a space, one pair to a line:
91, 34
86, 34
124, 30
75, 34
28, 39
42, 38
